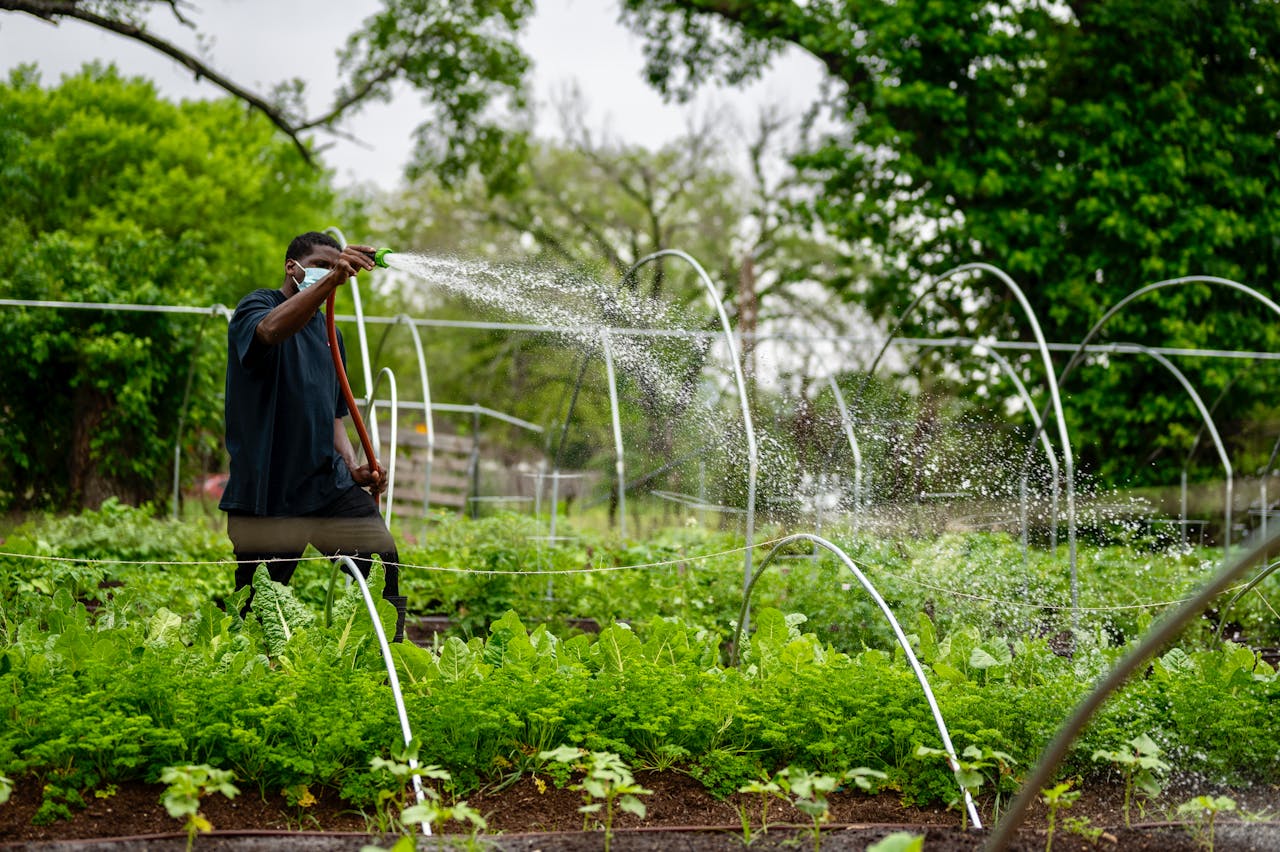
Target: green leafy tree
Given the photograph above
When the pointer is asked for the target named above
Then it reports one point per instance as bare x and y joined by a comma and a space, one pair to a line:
462, 57
111, 194
1086, 148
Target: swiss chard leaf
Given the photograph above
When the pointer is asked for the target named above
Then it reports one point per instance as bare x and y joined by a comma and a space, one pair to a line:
278, 611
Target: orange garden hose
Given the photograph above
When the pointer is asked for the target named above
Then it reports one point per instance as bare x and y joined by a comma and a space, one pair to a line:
345, 385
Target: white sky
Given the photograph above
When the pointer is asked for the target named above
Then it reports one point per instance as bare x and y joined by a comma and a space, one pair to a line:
257, 43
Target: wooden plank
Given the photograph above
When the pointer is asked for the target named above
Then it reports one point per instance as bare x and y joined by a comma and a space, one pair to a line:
415, 479
455, 501
450, 464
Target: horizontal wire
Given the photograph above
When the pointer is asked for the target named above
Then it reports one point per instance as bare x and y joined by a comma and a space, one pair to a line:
640, 566
406, 565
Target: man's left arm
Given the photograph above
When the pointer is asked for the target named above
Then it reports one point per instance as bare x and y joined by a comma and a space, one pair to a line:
369, 476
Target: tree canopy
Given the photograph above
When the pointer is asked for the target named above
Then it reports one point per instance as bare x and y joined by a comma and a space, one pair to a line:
111, 194
461, 57
1086, 148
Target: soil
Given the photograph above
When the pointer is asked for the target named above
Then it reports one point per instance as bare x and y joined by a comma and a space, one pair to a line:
529, 817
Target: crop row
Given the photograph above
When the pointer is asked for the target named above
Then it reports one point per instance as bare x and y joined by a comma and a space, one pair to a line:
112, 670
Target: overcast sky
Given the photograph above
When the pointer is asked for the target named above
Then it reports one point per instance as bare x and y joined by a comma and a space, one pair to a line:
259, 43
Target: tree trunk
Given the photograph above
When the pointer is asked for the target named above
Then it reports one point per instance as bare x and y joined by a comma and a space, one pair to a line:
90, 486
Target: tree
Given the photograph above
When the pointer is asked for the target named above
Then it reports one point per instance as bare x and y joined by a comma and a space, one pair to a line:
461, 56
1087, 148
111, 194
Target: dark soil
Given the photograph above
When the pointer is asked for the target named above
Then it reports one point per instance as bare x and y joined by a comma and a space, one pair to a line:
528, 816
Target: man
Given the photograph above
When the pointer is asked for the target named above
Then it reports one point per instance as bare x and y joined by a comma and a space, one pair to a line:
294, 479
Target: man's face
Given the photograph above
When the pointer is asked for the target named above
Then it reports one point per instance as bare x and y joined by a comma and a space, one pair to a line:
320, 256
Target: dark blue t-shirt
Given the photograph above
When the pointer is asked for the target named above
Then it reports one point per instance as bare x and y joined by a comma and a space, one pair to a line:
281, 402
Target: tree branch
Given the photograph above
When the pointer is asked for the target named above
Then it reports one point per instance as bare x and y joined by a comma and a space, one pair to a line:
51, 10
349, 101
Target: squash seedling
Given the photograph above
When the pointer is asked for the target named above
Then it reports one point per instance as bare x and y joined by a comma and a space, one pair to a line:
1056, 798
187, 786
606, 782
1140, 764
809, 791
1204, 811
400, 770
766, 790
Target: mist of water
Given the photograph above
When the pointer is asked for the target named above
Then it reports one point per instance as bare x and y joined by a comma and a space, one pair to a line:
577, 307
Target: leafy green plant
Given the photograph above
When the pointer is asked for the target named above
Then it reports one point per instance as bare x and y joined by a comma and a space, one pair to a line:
401, 772
100, 693
6, 788
969, 771
1140, 765
808, 792
765, 790
1204, 810
187, 786
606, 781
278, 611
1056, 798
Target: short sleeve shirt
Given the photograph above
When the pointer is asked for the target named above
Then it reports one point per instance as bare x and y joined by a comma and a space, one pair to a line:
280, 405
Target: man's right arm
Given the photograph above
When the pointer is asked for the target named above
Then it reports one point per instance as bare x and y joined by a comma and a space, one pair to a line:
293, 314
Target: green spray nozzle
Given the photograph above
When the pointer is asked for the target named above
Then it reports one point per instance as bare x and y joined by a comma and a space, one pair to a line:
380, 257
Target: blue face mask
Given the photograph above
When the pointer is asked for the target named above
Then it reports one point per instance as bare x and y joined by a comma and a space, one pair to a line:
310, 275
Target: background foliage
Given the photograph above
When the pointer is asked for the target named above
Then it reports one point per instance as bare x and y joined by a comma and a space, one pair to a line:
112, 194
1086, 148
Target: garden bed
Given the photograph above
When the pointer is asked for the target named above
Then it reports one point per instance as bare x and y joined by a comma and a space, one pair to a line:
681, 815
123, 657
